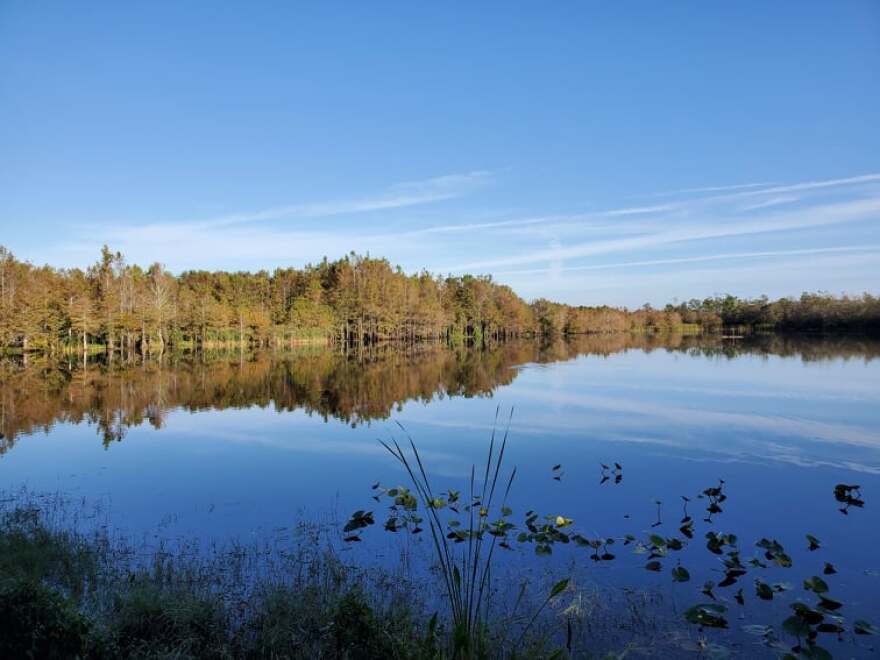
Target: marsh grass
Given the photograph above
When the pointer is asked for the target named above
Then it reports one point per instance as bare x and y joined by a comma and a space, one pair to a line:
71, 587
90, 594
466, 573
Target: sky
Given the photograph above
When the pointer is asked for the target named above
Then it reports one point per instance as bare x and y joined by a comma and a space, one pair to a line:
591, 153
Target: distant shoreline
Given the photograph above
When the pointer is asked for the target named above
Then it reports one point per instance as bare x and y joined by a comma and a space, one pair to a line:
117, 308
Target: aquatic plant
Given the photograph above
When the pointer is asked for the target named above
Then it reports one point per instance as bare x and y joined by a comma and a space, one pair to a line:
465, 532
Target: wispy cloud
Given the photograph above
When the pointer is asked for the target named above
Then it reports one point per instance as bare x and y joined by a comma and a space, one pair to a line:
710, 189
699, 205
772, 188
579, 220
773, 201
816, 216
399, 195
639, 210
851, 273
813, 185
699, 259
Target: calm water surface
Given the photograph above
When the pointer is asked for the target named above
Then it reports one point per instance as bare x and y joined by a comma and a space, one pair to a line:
239, 446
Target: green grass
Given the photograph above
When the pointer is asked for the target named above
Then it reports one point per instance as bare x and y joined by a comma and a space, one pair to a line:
65, 594
69, 588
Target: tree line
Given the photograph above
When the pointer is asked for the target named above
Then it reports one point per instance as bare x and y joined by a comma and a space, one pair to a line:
820, 312
117, 307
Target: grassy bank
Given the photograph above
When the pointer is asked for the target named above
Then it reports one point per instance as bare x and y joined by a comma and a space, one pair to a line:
71, 588
66, 593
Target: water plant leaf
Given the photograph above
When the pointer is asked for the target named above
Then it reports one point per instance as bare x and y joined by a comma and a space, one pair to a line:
829, 569
706, 615
559, 587
775, 553
864, 628
848, 495
811, 616
674, 544
653, 566
359, 520
680, 574
813, 652
834, 628
816, 584
708, 586
829, 604
657, 541
814, 542
763, 590
796, 626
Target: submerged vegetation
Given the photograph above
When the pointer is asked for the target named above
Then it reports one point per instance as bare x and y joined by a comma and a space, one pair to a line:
118, 308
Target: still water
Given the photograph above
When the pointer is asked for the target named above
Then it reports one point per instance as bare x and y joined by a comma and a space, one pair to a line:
223, 447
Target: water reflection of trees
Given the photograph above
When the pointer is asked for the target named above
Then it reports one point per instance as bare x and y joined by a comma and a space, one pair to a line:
354, 387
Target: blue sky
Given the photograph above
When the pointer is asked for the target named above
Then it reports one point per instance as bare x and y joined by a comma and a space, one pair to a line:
591, 153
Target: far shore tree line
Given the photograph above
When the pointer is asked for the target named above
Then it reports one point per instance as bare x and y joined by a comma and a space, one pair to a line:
115, 307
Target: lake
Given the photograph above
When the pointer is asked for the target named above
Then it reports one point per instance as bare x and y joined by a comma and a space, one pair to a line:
239, 446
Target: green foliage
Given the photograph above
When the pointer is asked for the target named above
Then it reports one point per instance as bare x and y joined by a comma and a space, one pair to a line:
357, 632
812, 311
37, 622
147, 620
32, 553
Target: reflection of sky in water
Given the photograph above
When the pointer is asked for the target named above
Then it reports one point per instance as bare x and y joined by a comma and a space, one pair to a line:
779, 431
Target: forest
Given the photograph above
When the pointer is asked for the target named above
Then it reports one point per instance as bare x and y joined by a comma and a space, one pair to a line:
117, 307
